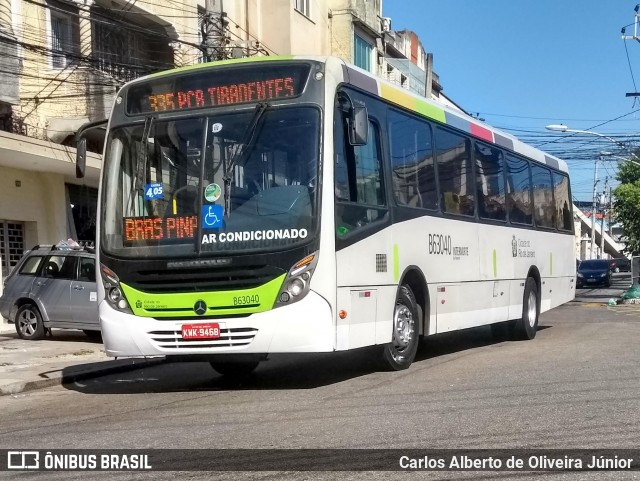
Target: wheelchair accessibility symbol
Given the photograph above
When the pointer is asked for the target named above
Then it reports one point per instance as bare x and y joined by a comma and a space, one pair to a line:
212, 217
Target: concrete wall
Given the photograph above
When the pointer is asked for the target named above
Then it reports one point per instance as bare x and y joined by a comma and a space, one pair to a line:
279, 26
39, 202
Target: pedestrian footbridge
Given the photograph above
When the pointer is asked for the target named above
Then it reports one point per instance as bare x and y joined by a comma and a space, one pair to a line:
611, 247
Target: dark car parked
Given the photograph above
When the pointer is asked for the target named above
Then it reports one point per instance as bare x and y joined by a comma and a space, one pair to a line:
594, 272
52, 287
620, 265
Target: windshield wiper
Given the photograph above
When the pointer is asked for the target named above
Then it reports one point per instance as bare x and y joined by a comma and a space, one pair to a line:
246, 145
143, 153
141, 162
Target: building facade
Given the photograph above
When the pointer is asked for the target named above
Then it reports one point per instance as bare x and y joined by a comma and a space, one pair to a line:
62, 62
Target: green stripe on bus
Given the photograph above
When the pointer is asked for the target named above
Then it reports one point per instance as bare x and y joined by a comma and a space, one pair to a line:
495, 263
240, 301
430, 111
219, 63
396, 263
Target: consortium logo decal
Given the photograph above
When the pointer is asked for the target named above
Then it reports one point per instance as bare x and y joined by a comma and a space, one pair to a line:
200, 307
521, 248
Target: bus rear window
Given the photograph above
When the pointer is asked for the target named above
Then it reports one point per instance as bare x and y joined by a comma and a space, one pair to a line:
216, 87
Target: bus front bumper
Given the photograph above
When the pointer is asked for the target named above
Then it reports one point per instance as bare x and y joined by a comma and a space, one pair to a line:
305, 326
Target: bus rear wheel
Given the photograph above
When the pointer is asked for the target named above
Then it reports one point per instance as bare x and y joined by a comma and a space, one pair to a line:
527, 326
401, 351
235, 368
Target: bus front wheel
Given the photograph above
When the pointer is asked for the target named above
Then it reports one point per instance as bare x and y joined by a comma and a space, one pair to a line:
401, 351
527, 326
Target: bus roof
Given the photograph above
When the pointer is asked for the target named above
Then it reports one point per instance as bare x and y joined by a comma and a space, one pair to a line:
422, 106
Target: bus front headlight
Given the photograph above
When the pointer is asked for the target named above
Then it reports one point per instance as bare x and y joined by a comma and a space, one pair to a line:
113, 291
296, 284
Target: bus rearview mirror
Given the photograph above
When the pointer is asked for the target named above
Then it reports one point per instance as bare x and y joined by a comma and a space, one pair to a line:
358, 125
81, 158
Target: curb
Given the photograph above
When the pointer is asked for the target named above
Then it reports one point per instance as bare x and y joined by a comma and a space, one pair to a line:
89, 373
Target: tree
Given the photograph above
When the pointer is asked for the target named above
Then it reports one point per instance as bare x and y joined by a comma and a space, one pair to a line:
627, 204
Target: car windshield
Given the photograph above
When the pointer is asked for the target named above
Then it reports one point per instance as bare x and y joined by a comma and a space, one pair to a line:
594, 264
225, 183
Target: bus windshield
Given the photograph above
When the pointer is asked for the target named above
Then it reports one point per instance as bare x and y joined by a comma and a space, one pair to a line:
216, 183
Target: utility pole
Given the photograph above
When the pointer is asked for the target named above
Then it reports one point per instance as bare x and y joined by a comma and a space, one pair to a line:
429, 76
214, 40
593, 209
635, 36
604, 204
610, 209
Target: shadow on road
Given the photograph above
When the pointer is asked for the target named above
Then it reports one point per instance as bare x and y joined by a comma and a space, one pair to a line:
280, 371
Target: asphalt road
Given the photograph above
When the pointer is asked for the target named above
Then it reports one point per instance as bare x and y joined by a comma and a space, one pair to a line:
619, 282
574, 386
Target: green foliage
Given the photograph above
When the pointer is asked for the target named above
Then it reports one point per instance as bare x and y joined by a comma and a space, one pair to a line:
628, 172
627, 203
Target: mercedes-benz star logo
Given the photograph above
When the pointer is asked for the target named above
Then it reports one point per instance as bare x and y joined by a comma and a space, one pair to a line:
200, 307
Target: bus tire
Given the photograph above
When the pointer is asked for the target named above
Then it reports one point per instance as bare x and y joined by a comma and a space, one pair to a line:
29, 324
401, 351
527, 326
236, 369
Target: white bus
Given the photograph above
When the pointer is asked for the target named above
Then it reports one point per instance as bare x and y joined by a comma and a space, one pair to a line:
300, 204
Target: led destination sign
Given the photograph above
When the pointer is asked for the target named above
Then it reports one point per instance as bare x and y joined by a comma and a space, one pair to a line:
158, 228
141, 230
223, 95
217, 88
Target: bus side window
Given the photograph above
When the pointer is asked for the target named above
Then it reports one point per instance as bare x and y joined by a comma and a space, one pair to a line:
454, 173
490, 182
412, 164
359, 183
519, 191
544, 208
564, 214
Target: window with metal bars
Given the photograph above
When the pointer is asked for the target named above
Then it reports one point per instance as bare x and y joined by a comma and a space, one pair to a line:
64, 34
11, 245
123, 49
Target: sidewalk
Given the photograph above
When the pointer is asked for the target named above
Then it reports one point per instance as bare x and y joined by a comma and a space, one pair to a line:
66, 357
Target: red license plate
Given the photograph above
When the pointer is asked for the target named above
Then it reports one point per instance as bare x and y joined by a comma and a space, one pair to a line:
201, 331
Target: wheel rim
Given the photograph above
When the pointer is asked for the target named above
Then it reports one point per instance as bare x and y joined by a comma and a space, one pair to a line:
403, 330
532, 309
28, 322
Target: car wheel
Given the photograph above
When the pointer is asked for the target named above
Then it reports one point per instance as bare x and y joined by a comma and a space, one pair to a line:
234, 369
29, 323
527, 326
401, 351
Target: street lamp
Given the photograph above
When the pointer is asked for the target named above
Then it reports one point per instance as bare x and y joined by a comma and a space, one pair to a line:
564, 128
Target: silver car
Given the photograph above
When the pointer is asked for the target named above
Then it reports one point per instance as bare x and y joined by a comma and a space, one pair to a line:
52, 287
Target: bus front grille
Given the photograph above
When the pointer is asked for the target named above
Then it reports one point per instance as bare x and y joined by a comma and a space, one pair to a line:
172, 339
201, 280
